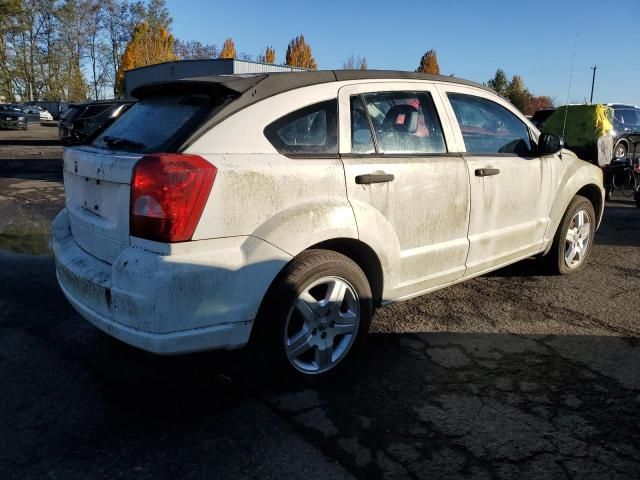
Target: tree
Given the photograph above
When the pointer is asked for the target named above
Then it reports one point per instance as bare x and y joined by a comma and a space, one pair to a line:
355, 63
194, 50
228, 49
538, 103
429, 63
147, 47
156, 14
499, 82
517, 93
269, 56
97, 48
119, 21
299, 54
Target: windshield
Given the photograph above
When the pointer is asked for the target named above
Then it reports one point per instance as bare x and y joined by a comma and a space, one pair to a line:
156, 124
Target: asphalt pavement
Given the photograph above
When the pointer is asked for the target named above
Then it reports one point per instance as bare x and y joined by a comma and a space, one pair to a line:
515, 374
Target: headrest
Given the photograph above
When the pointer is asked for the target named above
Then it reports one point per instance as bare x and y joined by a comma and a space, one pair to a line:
401, 118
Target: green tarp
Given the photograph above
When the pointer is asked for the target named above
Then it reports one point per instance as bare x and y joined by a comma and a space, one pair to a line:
585, 124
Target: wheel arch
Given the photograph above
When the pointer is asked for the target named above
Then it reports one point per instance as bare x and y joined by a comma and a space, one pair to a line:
364, 256
593, 193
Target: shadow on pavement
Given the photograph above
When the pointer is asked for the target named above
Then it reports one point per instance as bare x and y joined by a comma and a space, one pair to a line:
49, 169
29, 142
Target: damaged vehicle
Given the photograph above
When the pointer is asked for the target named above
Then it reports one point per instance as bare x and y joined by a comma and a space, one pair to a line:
280, 210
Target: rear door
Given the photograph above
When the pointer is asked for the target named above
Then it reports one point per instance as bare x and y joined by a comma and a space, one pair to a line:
97, 177
510, 185
410, 195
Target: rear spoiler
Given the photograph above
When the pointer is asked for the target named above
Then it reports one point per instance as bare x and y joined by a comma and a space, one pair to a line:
234, 85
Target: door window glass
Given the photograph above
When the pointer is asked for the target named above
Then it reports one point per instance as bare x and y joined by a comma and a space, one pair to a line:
488, 127
310, 130
405, 122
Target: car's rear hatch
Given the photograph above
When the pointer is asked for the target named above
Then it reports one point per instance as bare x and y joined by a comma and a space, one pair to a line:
97, 177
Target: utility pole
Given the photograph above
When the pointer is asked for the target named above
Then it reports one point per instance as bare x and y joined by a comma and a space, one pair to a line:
593, 81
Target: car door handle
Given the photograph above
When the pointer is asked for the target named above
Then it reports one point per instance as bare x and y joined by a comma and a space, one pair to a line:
486, 172
377, 177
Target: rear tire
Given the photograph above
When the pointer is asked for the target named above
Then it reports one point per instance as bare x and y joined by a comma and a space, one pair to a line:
574, 238
315, 318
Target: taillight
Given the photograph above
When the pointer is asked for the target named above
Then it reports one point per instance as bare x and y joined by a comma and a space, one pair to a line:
168, 193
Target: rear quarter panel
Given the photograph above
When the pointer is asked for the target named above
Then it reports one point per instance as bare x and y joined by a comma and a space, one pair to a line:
291, 203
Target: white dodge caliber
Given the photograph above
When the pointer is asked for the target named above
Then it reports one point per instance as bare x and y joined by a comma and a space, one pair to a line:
280, 210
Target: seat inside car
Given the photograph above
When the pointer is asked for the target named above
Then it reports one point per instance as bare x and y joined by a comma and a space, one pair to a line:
401, 119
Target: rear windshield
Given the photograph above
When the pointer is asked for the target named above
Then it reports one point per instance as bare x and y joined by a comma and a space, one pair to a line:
156, 124
72, 112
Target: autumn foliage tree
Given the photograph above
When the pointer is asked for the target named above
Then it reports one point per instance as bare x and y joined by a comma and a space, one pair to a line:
429, 63
517, 93
269, 55
148, 46
228, 49
299, 54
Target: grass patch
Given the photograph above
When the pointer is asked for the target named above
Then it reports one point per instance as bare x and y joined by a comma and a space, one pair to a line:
26, 239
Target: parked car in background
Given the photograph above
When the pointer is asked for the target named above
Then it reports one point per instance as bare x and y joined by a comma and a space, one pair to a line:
12, 116
82, 122
626, 122
540, 116
280, 210
43, 114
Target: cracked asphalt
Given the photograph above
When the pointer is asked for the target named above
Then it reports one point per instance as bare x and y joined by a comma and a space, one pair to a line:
512, 375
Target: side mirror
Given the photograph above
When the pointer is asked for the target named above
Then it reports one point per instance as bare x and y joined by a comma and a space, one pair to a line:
549, 144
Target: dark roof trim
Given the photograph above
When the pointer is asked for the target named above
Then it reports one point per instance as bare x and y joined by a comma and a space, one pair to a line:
252, 88
279, 82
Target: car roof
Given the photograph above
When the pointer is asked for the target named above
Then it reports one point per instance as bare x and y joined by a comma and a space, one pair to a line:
621, 105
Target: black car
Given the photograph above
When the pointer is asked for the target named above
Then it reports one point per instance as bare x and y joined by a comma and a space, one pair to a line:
540, 116
82, 122
12, 116
626, 123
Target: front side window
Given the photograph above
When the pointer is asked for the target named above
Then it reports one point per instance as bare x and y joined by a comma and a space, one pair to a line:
311, 130
405, 122
628, 116
488, 127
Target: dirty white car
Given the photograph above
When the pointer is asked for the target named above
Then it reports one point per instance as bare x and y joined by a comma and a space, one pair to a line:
280, 210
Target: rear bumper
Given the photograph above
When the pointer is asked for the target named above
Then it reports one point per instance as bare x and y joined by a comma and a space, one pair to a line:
169, 304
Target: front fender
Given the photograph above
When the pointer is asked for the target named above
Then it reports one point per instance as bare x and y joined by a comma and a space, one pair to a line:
575, 175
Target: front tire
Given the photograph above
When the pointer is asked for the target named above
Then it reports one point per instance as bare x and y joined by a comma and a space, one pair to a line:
574, 238
620, 151
315, 317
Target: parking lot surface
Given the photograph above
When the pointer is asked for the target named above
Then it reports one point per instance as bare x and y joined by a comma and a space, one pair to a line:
512, 375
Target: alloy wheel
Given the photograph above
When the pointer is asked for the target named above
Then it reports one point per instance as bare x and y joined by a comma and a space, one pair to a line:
322, 325
577, 239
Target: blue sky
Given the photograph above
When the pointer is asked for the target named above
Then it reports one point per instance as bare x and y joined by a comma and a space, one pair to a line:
472, 38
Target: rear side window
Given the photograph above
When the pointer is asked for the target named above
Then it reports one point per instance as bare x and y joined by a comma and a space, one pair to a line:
405, 123
488, 127
312, 130
156, 124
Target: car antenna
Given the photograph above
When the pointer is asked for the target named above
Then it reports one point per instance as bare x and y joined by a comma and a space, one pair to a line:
566, 105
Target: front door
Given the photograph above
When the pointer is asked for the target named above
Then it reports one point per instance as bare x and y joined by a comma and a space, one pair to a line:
410, 195
510, 185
